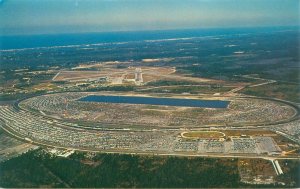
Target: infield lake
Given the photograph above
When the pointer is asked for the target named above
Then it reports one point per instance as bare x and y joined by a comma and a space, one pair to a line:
156, 101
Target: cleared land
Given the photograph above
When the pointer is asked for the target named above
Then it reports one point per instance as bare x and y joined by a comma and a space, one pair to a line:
149, 74
127, 74
256, 171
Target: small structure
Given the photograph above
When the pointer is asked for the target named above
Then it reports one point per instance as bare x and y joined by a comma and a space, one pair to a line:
138, 75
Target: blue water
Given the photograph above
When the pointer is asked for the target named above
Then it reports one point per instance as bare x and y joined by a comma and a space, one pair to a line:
157, 101
50, 40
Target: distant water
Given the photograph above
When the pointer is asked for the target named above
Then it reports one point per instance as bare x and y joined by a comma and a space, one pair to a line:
34, 41
157, 101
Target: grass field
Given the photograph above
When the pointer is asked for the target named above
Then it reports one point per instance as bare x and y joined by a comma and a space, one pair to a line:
249, 133
285, 91
203, 134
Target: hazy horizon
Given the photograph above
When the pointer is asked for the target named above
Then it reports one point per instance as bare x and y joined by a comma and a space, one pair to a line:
91, 16
85, 38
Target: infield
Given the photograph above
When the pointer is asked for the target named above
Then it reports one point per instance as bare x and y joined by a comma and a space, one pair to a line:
203, 135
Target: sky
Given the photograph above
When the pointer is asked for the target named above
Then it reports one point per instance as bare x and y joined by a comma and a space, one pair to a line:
77, 16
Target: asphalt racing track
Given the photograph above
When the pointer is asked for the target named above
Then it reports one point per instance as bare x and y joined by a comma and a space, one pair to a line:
41, 129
